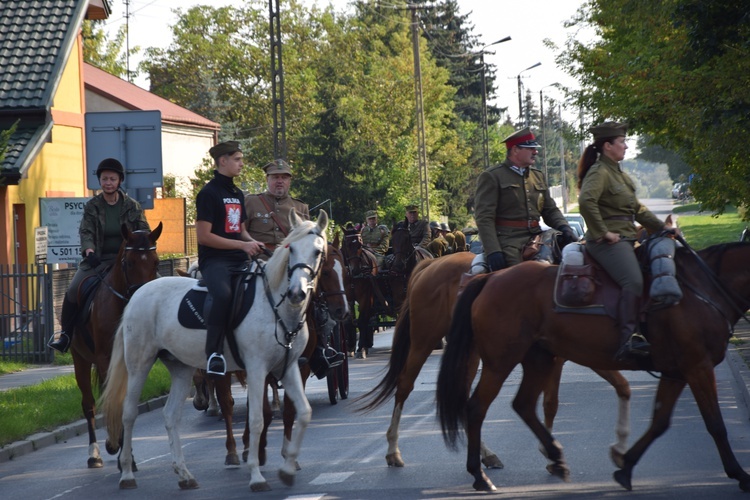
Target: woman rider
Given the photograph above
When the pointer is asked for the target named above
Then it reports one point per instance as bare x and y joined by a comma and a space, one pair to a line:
101, 237
609, 206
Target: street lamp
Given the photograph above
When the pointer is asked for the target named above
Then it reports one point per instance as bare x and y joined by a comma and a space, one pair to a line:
485, 132
544, 134
520, 92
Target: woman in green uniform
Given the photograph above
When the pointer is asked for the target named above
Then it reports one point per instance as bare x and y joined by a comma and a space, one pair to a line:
610, 208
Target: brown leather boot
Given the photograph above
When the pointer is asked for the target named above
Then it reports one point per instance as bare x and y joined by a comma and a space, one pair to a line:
67, 321
633, 344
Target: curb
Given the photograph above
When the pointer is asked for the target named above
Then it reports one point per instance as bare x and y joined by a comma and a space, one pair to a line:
61, 434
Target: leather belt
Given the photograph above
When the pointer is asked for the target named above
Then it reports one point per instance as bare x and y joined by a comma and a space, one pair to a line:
516, 223
629, 218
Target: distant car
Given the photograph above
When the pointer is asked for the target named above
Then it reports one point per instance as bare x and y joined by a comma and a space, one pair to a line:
576, 226
576, 218
679, 190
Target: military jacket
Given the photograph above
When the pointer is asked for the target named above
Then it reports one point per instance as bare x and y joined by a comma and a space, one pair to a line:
260, 223
91, 230
376, 238
503, 193
420, 233
606, 192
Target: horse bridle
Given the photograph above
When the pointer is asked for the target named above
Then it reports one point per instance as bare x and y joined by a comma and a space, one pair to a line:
323, 294
130, 289
407, 253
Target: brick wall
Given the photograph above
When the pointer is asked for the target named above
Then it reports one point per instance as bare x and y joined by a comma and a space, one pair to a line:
171, 213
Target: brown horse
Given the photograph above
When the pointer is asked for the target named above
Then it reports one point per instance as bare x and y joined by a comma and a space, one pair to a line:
331, 296
136, 264
424, 320
377, 291
687, 341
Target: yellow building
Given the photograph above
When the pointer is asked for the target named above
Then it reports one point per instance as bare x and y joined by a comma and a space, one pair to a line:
42, 95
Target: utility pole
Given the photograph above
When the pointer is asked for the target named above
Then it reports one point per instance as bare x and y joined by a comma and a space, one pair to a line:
520, 92
421, 142
127, 40
563, 182
277, 83
485, 126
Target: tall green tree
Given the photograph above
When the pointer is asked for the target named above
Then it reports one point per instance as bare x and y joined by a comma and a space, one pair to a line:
677, 70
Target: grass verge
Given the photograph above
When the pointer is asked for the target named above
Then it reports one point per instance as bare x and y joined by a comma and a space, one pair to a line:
43, 407
701, 231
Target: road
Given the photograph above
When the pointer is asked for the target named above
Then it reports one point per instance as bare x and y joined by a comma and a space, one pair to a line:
343, 452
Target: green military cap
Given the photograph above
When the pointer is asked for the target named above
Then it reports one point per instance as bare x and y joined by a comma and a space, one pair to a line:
412, 208
609, 129
523, 138
224, 148
277, 167
370, 214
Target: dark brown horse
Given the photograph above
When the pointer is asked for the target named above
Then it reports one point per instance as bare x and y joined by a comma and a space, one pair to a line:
687, 341
136, 264
424, 320
330, 295
377, 291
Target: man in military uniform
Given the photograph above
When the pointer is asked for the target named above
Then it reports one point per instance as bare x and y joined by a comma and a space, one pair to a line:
268, 212
268, 222
375, 236
510, 199
419, 230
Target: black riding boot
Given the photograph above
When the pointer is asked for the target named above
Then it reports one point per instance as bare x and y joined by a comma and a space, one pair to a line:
216, 365
633, 344
324, 357
67, 322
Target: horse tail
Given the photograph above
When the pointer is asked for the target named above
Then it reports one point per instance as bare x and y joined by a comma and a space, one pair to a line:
399, 353
453, 382
115, 388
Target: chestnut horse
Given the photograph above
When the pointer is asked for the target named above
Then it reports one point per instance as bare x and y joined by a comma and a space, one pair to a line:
687, 341
136, 264
423, 321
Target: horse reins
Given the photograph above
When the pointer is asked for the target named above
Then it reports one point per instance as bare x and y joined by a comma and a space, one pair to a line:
130, 289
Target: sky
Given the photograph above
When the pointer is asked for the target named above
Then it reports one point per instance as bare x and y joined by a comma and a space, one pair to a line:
492, 19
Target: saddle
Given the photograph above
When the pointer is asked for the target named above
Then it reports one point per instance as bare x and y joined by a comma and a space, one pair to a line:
85, 298
192, 310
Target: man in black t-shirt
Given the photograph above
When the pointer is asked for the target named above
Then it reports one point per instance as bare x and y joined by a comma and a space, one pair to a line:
223, 244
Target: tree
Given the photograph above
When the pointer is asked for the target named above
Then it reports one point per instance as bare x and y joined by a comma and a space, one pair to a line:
678, 169
677, 70
104, 53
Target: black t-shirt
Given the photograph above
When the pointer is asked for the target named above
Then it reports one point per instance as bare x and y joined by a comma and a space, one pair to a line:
221, 203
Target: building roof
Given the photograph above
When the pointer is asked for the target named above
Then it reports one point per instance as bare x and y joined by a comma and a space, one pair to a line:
38, 36
135, 98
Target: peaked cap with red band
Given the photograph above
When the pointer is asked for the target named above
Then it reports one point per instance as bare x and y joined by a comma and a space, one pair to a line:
522, 138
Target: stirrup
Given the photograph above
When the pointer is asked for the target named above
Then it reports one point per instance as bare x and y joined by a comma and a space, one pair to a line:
332, 357
635, 347
219, 365
62, 343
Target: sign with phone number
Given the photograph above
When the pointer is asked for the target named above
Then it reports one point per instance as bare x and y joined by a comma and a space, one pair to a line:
62, 217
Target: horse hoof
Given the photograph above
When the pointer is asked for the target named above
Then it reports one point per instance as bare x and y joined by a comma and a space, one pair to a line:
297, 465
492, 462
623, 478
212, 412
128, 484
260, 487
617, 457
95, 463
394, 460
484, 484
745, 485
200, 405
232, 461
559, 470
188, 484
286, 478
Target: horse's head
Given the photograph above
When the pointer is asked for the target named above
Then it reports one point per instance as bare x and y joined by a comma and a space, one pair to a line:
137, 258
402, 247
299, 256
352, 248
332, 282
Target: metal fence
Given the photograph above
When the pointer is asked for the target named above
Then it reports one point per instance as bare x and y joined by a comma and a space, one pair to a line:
30, 301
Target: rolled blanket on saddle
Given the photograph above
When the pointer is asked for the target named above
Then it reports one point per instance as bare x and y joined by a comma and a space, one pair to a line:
664, 286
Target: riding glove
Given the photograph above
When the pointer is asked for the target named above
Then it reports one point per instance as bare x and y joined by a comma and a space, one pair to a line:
568, 235
496, 261
92, 260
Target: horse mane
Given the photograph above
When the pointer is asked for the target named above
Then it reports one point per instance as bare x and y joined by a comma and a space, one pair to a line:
276, 267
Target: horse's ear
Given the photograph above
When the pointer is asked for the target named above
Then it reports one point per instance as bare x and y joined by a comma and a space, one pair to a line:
155, 233
668, 221
322, 221
294, 219
336, 240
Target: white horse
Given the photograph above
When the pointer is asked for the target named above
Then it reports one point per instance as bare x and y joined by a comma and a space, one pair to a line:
270, 339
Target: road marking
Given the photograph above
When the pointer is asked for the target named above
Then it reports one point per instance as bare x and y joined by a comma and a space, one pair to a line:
332, 477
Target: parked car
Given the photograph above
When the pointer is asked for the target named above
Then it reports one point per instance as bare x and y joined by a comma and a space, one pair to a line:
576, 218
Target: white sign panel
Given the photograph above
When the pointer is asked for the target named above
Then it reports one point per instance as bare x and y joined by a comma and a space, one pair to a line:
62, 216
40, 241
